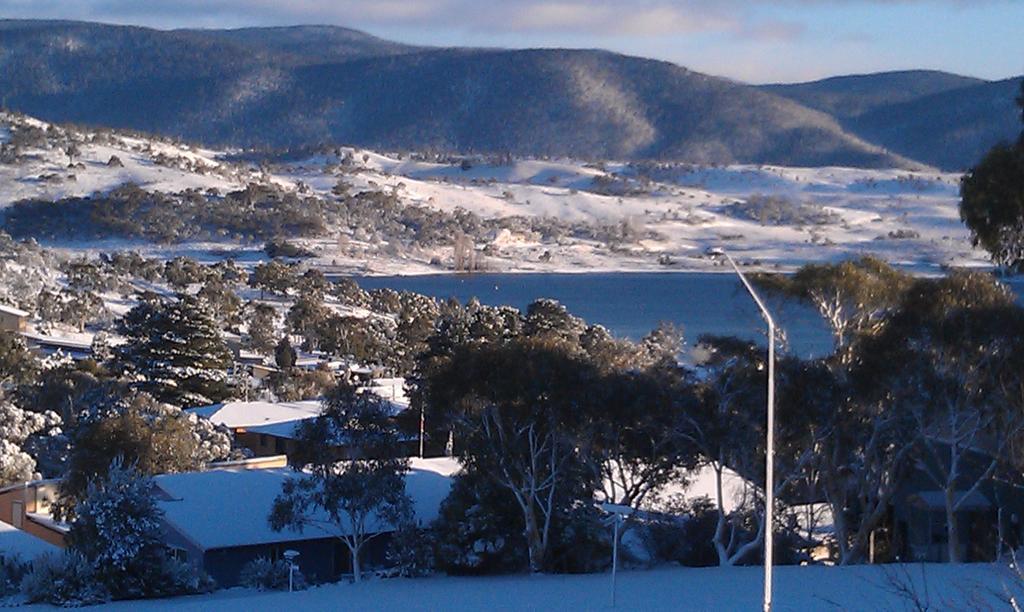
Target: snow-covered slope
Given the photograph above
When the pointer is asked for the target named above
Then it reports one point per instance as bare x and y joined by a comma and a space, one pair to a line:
853, 588
660, 217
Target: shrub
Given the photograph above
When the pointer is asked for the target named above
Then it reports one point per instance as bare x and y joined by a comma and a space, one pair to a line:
283, 248
411, 551
266, 575
779, 210
66, 579
683, 534
12, 572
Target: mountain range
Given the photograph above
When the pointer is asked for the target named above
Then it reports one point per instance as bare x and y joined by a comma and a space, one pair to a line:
293, 87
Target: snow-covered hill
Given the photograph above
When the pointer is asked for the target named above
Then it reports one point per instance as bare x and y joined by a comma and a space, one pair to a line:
659, 217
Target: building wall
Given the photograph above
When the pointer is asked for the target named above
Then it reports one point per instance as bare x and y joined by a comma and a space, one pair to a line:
11, 322
23, 500
316, 560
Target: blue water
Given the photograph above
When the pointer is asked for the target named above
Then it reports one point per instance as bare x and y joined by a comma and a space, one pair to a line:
632, 304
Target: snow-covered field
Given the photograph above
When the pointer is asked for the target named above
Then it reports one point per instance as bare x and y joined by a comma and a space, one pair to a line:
868, 588
908, 218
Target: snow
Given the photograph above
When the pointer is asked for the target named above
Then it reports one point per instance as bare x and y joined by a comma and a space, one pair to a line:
251, 414
229, 507
797, 589
907, 217
17, 312
14, 541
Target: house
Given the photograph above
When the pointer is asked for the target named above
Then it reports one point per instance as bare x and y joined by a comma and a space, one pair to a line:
268, 428
265, 428
218, 520
26, 506
13, 319
44, 345
988, 516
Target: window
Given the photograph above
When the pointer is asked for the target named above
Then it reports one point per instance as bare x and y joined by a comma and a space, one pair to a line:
176, 553
17, 513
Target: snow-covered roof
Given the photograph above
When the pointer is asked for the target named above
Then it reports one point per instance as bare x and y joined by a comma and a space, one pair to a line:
252, 414
14, 541
11, 310
225, 508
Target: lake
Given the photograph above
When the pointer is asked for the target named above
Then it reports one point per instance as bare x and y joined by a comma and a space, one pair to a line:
632, 304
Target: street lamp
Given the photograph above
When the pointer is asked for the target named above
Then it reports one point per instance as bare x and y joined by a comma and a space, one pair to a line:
290, 556
769, 478
619, 514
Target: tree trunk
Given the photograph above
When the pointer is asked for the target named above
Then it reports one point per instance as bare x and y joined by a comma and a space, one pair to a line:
952, 530
533, 539
357, 572
720, 547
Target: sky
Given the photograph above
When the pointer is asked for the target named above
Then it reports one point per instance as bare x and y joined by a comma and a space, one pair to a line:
757, 41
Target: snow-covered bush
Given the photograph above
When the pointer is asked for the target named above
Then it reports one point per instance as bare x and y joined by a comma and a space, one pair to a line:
479, 530
266, 575
410, 552
12, 572
64, 579
780, 210
15, 464
117, 530
20, 432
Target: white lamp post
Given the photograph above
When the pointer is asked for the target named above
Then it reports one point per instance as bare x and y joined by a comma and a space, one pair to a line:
290, 556
619, 513
769, 478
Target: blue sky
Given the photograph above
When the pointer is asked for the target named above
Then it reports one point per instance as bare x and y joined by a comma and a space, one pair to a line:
750, 40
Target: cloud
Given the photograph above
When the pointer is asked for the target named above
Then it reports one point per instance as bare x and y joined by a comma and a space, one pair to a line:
590, 17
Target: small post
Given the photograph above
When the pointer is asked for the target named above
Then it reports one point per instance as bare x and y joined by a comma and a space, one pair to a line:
619, 513
615, 555
290, 556
423, 428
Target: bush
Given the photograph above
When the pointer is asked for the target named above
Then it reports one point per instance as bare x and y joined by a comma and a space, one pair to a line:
778, 210
683, 535
12, 572
411, 551
263, 574
65, 580
480, 530
282, 248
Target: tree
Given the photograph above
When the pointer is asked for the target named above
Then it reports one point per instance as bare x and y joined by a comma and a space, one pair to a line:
284, 354
262, 327
177, 350
852, 296
952, 359
118, 530
18, 366
150, 437
273, 276
728, 426
305, 318
517, 407
18, 429
992, 201
356, 499
223, 301
72, 151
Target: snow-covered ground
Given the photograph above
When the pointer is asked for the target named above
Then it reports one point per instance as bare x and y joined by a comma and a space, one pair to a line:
908, 218
942, 587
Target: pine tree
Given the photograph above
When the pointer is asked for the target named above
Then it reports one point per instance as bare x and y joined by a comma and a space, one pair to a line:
177, 350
